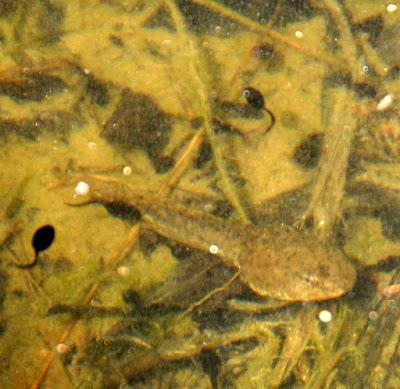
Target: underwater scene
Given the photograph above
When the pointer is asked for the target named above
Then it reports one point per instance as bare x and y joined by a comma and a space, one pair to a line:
199, 194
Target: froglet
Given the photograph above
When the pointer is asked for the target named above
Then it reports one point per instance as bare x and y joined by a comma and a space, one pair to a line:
277, 262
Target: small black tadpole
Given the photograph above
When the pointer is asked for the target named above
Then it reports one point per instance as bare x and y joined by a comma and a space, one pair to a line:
256, 100
41, 240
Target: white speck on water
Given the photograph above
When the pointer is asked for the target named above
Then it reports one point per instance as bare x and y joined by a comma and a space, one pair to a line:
92, 145
365, 68
86, 71
209, 207
373, 315
82, 188
325, 316
127, 171
61, 348
385, 102
213, 249
391, 7
123, 271
299, 35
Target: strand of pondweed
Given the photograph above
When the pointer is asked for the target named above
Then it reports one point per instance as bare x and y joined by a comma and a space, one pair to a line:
202, 94
346, 41
276, 36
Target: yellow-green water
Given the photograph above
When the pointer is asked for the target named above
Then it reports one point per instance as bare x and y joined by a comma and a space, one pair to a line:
68, 72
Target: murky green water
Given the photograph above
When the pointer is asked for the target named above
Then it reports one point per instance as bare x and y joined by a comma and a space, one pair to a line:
150, 94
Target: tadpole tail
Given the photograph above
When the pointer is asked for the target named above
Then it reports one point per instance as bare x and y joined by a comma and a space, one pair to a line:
29, 265
273, 120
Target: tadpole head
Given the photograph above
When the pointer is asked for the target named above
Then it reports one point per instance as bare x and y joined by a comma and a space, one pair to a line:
43, 238
254, 98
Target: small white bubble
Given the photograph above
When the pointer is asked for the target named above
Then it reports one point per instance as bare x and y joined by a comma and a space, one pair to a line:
115, 126
213, 249
325, 316
299, 35
391, 7
373, 315
365, 68
127, 171
86, 71
82, 188
209, 207
61, 348
92, 145
385, 102
123, 271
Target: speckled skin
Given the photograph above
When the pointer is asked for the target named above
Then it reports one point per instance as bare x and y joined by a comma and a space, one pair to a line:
278, 262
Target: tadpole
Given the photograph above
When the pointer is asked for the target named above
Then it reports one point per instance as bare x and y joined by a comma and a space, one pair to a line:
256, 100
41, 240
